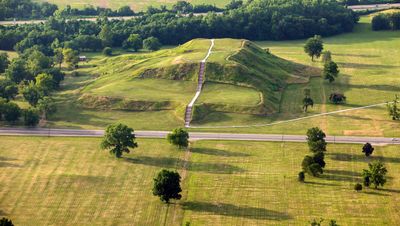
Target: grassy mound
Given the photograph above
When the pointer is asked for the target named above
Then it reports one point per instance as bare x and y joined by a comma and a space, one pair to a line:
167, 79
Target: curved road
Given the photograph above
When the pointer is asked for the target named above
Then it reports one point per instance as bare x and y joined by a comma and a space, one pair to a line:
195, 136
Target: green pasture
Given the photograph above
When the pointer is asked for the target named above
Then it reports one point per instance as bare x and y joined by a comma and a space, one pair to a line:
69, 181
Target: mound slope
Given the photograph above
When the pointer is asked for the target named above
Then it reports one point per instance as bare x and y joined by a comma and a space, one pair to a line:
166, 79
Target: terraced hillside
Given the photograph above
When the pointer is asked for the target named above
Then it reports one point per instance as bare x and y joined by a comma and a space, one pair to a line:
240, 78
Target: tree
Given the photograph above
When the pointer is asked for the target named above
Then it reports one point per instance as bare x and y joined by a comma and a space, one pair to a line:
330, 71
151, 44
31, 117
58, 57
316, 139
17, 71
311, 167
319, 158
326, 56
133, 42
314, 47
118, 138
4, 62
167, 185
71, 57
46, 107
315, 222
376, 174
45, 83
182, 7
301, 176
107, 51
125, 11
106, 35
358, 187
337, 98
36, 61
367, 149
8, 89
307, 101
32, 94
394, 111
179, 137
333, 223
11, 112
6, 222
380, 22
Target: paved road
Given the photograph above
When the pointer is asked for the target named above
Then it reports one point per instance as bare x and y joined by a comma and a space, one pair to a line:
196, 136
373, 6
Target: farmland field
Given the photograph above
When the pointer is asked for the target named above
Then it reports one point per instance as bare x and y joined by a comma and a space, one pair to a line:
136, 5
66, 181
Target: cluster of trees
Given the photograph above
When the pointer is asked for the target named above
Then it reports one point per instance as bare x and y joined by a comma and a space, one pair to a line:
119, 139
386, 21
367, 2
6, 222
34, 76
314, 164
89, 10
256, 20
25, 9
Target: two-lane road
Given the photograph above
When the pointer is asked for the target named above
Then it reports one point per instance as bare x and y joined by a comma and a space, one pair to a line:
195, 135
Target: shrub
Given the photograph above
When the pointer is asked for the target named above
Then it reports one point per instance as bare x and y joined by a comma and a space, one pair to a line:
380, 22
301, 176
358, 187
367, 149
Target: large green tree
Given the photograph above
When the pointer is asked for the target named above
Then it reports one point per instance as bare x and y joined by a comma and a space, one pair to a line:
32, 93
134, 42
167, 185
151, 44
179, 137
8, 89
118, 138
316, 139
17, 71
314, 47
330, 71
376, 174
31, 117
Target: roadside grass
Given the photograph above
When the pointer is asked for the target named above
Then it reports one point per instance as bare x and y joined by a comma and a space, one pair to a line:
67, 181
136, 5
11, 54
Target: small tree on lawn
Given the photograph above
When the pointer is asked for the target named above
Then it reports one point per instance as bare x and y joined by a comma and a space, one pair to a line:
314, 47
358, 187
179, 137
301, 176
167, 185
118, 138
307, 100
394, 110
6, 222
368, 149
330, 71
311, 167
316, 139
376, 174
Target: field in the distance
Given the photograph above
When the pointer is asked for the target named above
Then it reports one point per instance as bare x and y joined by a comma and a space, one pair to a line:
68, 181
136, 5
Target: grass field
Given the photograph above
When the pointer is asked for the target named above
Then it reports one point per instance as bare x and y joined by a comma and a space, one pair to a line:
136, 5
68, 181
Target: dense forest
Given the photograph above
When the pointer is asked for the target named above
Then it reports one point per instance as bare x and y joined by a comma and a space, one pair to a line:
255, 20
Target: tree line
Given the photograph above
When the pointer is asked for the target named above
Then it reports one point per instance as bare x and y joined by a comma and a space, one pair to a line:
386, 21
255, 20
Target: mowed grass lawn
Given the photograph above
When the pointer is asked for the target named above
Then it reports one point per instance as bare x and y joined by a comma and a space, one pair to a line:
69, 181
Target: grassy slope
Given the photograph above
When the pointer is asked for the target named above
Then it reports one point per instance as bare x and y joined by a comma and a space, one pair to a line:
63, 181
136, 5
370, 73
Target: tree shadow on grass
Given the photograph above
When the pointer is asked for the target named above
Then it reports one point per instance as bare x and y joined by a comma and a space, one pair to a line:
343, 172
361, 158
364, 66
389, 190
320, 183
336, 177
375, 193
225, 209
168, 162
218, 152
4, 162
356, 55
